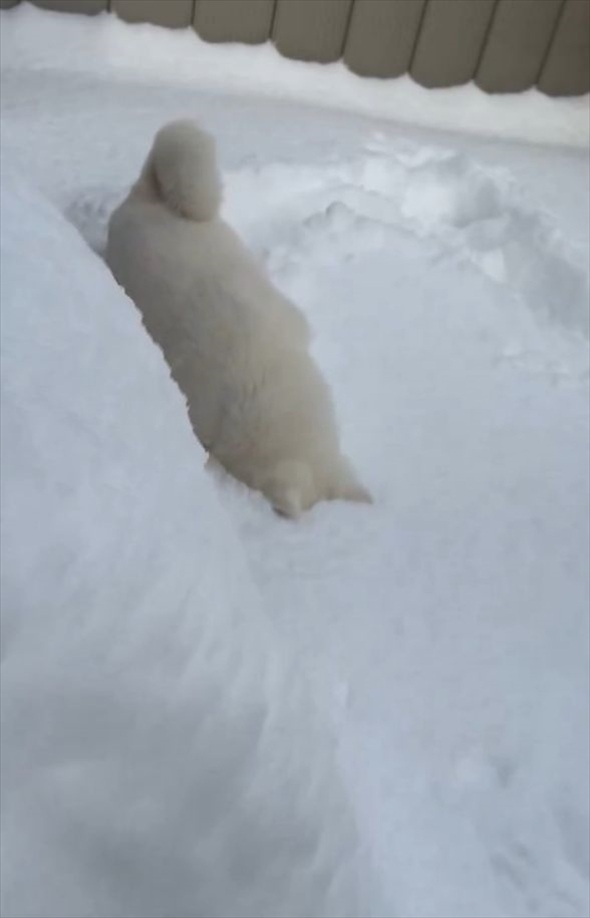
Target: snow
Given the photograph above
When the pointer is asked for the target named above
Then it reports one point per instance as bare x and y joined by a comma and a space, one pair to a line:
105, 45
444, 631
159, 755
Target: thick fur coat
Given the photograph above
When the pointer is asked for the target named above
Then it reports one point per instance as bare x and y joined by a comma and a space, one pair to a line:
238, 349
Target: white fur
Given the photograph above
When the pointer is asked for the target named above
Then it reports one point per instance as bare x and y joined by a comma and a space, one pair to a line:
236, 346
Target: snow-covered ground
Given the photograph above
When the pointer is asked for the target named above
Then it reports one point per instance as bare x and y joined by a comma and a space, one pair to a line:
445, 629
151, 721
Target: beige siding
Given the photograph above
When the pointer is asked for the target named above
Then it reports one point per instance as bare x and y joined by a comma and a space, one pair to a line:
247, 21
451, 41
382, 36
175, 14
504, 45
314, 30
567, 68
517, 44
73, 6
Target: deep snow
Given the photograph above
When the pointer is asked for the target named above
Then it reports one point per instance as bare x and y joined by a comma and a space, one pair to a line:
445, 630
159, 754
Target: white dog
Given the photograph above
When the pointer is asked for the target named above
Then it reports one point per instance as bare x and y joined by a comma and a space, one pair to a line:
238, 349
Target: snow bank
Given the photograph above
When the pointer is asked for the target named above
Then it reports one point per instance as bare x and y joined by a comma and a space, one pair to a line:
446, 627
159, 757
104, 45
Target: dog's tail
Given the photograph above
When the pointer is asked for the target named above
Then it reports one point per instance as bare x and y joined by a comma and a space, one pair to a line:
344, 485
292, 488
183, 167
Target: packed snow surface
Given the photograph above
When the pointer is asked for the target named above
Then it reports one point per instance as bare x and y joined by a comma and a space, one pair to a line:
444, 631
105, 45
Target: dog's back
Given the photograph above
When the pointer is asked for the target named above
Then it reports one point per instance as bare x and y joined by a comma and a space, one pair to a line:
237, 348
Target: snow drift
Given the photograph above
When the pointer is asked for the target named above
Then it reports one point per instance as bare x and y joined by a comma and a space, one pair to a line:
445, 278
159, 756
